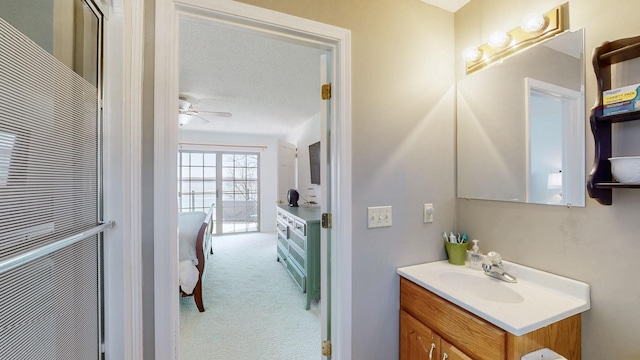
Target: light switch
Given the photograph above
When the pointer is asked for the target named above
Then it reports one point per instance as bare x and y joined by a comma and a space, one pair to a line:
379, 216
428, 213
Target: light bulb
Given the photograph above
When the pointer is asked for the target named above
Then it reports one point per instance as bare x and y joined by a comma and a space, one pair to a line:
533, 23
471, 54
499, 39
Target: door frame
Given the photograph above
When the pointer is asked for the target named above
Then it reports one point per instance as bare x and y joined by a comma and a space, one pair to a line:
122, 113
267, 23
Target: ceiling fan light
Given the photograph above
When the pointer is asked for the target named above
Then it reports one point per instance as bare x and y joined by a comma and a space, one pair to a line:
184, 119
184, 104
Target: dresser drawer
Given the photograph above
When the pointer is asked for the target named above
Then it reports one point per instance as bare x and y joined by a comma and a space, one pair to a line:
282, 229
297, 275
300, 228
299, 258
282, 255
282, 242
299, 241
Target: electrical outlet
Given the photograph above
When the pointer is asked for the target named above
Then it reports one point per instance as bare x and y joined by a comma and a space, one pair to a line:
428, 213
379, 216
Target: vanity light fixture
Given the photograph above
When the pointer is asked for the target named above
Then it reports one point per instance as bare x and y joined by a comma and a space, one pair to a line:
535, 28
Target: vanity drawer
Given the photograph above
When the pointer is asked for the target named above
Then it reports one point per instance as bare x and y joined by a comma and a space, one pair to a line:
457, 326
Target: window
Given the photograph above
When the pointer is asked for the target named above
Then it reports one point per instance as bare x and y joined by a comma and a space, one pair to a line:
229, 181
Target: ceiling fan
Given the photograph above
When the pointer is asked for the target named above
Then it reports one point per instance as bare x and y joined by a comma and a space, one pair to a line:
186, 113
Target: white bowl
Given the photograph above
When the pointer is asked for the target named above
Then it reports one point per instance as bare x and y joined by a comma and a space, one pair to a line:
626, 169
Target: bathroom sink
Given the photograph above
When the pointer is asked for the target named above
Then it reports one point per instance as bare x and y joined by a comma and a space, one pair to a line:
486, 288
538, 298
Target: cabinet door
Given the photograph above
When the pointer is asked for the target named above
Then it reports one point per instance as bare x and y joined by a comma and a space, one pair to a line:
417, 342
450, 352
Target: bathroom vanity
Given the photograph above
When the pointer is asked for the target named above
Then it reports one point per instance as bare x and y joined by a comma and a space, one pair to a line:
452, 312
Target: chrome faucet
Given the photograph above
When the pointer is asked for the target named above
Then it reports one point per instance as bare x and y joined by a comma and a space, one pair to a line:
492, 266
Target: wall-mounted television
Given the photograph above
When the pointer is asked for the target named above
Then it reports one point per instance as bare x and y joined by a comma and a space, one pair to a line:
314, 162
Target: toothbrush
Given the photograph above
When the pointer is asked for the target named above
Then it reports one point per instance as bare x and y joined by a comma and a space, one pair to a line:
444, 235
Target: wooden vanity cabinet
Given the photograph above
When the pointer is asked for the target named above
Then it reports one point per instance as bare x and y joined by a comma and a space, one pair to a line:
417, 341
427, 319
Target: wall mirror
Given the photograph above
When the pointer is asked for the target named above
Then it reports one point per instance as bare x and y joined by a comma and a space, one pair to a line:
521, 126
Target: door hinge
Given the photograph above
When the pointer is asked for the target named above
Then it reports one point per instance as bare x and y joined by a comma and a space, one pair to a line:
326, 220
326, 348
326, 91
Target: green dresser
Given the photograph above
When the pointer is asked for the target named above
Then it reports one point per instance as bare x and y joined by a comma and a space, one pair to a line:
298, 247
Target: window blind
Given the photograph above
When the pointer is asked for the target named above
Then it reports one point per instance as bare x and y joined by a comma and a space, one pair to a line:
49, 190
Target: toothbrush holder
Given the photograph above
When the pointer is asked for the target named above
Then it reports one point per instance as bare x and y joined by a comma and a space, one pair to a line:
457, 252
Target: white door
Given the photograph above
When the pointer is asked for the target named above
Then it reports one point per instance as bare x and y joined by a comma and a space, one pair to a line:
326, 190
286, 170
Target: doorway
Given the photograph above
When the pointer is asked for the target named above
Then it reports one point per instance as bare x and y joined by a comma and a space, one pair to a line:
286, 27
555, 149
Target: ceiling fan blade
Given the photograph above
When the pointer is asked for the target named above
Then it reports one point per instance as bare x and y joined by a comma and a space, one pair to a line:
216, 113
205, 121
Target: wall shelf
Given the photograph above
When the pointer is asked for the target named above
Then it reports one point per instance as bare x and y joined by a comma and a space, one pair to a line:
600, 183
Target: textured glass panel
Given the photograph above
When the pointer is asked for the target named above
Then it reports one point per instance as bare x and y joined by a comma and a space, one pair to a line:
48, 308
48, 192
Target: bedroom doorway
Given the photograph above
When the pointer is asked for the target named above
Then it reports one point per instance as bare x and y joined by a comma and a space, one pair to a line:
338, 151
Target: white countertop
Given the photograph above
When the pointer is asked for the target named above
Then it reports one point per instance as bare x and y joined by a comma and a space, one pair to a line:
538, 298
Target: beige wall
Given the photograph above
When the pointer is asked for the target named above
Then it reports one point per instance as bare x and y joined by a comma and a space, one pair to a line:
402, 143
596, 244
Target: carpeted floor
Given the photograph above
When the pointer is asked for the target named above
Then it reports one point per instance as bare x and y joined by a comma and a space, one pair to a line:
254, 310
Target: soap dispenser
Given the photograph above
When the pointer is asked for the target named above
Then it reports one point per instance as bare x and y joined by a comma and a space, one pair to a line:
475, 256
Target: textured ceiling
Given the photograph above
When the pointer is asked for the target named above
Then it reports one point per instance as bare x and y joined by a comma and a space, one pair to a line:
268, 85
449, 5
